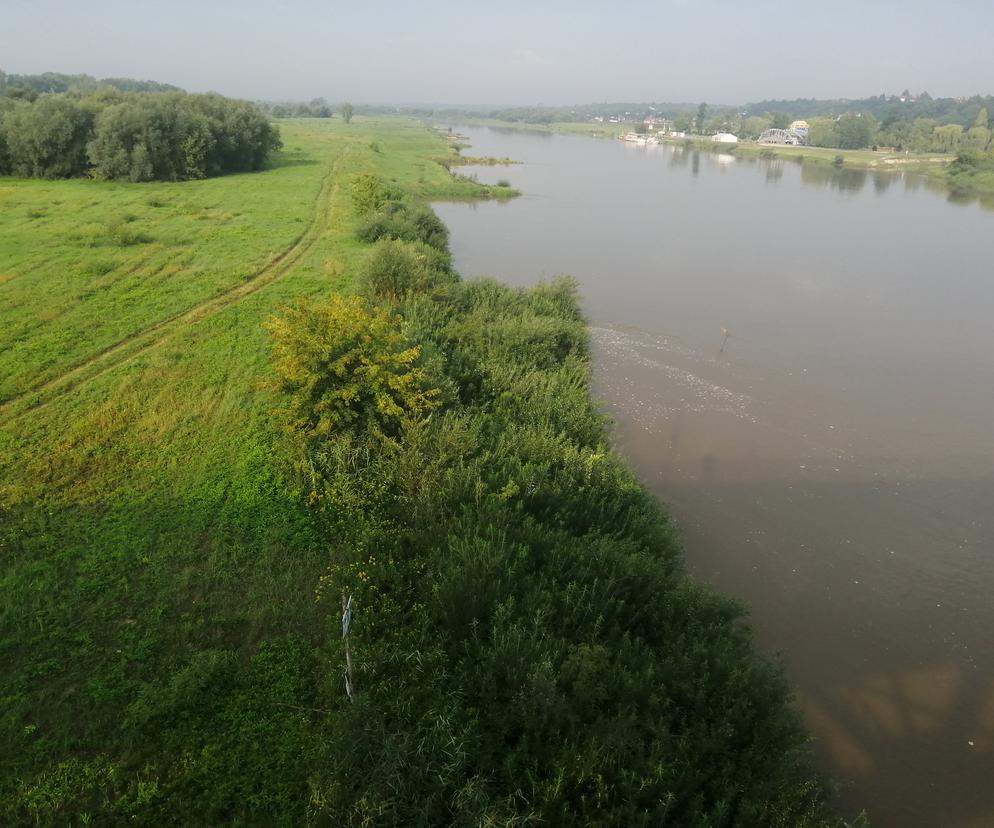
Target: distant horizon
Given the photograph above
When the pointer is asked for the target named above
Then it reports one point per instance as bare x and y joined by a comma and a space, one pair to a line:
498, 105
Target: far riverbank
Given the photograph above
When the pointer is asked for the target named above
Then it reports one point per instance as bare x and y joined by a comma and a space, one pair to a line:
934, 165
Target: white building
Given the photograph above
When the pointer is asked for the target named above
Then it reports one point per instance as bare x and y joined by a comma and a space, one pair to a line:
725, 138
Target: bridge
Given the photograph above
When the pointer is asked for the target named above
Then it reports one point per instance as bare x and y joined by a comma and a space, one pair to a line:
783, 137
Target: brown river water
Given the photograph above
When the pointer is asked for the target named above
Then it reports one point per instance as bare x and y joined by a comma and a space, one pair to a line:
832, 465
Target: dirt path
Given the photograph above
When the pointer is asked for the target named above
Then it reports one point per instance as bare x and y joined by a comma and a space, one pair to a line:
143, 341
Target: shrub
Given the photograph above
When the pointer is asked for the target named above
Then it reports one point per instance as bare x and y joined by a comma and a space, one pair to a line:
368, 193
343, 366
398, 220
396, 268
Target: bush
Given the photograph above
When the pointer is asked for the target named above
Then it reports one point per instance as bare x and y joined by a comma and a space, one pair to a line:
368, 194
399, 220
396, 268
342, 366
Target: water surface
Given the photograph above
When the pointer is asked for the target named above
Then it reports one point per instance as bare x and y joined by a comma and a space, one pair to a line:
800, 363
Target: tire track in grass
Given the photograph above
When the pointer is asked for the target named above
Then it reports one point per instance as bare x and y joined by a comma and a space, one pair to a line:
145, 340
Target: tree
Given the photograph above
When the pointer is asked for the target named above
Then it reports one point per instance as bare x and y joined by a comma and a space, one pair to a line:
754, 126
47, 139
981, 120
702, 114
5, 167
856, 131
822, 133
779, 120
683, 122
175, 136
977, 138
947, 138
347, 111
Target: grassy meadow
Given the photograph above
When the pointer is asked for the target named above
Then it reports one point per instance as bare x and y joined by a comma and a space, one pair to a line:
142, 524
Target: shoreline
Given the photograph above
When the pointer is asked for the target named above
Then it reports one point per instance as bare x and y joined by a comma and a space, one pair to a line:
936, 166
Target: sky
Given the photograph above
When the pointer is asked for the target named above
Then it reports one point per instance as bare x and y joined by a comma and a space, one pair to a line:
510, 52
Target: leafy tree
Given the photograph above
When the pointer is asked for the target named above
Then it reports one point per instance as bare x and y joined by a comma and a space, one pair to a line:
347, 112
139, 136
977, 138
47, 139
981, 120
755, 125
345, 366
702, 114
822, 133
176, 136
683, 122
855, 131
948, 138
6, 105
780, 120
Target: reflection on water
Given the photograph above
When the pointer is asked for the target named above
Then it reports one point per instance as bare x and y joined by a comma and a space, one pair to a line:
883, 179
847, 179
801, 366
774, 169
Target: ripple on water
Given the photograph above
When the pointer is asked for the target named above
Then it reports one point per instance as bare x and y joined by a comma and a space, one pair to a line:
640, 370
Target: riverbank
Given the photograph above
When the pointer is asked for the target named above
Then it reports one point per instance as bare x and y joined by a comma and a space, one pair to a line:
938, 166
797, 458
929, 163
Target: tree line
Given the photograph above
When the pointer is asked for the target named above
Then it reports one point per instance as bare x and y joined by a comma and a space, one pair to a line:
316, 108
903, 122
887, 109
861, 130
30, 87
132, 136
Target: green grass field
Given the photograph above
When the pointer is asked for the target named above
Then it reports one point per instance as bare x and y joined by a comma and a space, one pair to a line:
143, 528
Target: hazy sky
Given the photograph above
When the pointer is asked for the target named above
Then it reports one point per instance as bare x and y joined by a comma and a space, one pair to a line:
504, 51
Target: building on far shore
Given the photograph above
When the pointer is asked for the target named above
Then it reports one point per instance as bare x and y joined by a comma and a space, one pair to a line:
725, 138
657, 124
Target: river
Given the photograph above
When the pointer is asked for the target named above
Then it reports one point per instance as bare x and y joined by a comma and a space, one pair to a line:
799, 362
